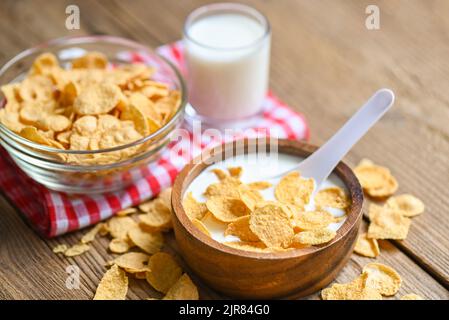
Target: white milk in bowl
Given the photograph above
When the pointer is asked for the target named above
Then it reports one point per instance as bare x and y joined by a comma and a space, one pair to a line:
254, 170
227, 50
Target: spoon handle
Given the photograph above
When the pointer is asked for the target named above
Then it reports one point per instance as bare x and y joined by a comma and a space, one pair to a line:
322, 162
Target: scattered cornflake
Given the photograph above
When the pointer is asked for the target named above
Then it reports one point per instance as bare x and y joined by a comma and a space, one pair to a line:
126, 212
406, 204
113, 285
377, 181
183, 289
87, 106
271, 224
354, 290
97, 99
382, 278
193, 208
145, 206
150, 242
240, 228
133, 262
76, 250
366, 247
334, 197
226, 209
220, 174
314, 237
60, 248
412, 296
200, 225
310, 220
259, 185
163, 272
90, 235
117, 245
250, 197
387, 223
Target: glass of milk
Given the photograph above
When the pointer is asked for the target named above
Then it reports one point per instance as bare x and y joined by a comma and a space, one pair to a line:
227, 48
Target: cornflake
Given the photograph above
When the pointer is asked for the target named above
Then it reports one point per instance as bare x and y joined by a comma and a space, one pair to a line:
412, 296
358, 289
310, 220
133, 262
125, 212
314, 237
377, 181
227, 187
158, 218
226, 209
294, 190
271, 224
119, 226
91, 234
60, 248
240, 228
387, 223
240, 210
406, 204
76, 250
334, 197
117, 245
382, 278
183, 289
366, 247
200, 225
193, 208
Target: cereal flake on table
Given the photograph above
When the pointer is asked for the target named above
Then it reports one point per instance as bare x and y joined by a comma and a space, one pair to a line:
267, 226
376, 281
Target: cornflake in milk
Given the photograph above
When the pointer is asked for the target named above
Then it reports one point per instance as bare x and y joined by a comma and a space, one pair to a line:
234, 208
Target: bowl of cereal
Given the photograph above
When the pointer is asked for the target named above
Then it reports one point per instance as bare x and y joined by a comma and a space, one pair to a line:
88, 114
253, 238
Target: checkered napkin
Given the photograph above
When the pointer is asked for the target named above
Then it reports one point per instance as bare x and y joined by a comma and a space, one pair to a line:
54, 213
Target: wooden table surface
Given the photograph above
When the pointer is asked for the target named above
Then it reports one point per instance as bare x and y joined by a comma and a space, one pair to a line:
325, 63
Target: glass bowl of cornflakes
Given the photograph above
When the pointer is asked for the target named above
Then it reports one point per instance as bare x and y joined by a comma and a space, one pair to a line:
89, 114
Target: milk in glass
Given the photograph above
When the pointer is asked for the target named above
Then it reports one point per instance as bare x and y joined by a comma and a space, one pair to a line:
228, 54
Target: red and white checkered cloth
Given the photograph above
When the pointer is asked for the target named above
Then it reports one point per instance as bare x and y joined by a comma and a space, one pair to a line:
54, 213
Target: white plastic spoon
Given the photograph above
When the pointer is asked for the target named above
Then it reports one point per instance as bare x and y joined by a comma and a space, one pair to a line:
322, 162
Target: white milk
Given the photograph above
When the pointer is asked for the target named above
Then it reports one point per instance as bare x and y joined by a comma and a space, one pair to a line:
251, 173
228, 56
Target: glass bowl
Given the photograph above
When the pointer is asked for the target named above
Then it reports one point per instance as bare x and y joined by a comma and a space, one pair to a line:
47, 165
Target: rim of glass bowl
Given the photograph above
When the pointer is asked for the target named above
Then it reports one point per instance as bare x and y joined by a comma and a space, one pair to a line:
74, 40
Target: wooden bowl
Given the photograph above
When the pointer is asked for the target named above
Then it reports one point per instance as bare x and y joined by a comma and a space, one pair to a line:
254, 275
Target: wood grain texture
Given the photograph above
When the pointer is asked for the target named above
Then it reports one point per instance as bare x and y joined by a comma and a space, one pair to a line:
325, 63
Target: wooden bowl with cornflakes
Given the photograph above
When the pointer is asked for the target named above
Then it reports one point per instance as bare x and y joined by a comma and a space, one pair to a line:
256, 274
